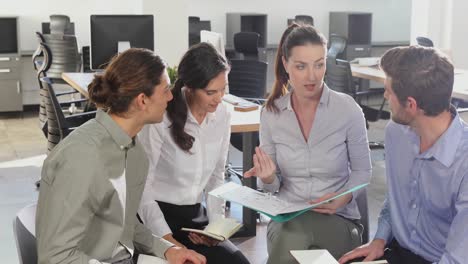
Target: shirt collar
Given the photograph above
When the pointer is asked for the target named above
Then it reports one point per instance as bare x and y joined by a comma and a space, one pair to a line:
445, 148
285, 102
122, 139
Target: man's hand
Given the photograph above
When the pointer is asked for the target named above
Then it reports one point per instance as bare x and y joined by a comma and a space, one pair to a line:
171, 239
331, 207
370, 251
198, 239
178, 255
264, 168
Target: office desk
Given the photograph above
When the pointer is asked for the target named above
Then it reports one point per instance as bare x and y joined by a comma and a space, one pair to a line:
460, 86
247, 123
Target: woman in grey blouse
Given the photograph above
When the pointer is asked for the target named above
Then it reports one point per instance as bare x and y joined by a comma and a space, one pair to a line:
313, 143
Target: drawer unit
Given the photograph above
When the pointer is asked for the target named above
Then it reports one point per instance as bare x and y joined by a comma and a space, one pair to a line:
11, 98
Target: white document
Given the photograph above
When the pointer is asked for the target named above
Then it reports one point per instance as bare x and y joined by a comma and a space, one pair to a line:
316, 256
264, 202
146, 259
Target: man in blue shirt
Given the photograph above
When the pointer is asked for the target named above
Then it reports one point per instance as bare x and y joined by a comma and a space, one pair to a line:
425, 215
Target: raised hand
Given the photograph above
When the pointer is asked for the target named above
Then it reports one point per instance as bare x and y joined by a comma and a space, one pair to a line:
264, 168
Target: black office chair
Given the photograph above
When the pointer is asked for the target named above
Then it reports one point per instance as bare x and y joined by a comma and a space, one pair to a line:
363, 207
339, 78
58, 126
25, 235
337, 46
304, 19
247, 79
43, 59
425, 42
195, 25
246, 43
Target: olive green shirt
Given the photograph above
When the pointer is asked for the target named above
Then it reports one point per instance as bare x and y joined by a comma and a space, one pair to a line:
90, 191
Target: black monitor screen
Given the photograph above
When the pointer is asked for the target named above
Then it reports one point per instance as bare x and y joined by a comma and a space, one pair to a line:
8, 31
108, 30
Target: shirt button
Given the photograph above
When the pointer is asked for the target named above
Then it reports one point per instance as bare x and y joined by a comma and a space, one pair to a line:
414, 182
414, 206
122, 147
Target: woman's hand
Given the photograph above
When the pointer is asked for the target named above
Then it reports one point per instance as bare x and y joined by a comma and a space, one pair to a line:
264, 168
198, 239
333, 205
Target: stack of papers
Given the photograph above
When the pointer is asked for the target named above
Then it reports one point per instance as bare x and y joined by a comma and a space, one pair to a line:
267, 204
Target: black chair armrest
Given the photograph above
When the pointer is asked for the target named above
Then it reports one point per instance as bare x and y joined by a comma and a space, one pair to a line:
77, 120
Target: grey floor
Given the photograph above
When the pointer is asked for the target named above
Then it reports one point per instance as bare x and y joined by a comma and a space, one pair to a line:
22, 149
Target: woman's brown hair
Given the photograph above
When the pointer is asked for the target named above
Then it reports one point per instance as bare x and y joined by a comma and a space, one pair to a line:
294, 35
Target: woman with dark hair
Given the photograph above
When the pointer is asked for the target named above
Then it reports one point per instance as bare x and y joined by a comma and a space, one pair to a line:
93, 180
317, 139
188, 152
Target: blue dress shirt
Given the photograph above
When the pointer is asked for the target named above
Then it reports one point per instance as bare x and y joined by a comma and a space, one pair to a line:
426, 209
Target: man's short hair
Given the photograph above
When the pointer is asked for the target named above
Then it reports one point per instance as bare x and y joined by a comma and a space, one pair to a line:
422, 73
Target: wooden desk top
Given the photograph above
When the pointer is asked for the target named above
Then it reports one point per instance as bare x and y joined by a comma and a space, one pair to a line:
460, 86
240, 121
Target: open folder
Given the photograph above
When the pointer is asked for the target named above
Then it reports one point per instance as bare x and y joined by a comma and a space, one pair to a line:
267, 204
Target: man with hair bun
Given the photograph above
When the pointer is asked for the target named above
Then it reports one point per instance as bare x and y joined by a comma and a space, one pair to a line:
92, 182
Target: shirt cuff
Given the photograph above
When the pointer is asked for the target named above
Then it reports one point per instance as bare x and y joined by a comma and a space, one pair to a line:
160, 246
384, 231
270, 187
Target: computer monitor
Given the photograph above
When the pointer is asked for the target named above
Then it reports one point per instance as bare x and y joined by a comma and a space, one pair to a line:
9, 35
111, 34
214, 39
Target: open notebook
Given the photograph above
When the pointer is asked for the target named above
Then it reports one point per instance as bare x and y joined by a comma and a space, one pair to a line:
220, 229
267, 204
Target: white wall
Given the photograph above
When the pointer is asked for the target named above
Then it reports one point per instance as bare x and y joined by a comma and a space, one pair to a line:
171, 28
444, 22
31, 13
391, 18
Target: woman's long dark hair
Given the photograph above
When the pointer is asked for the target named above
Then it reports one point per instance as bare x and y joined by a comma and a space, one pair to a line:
294, 35
199, 65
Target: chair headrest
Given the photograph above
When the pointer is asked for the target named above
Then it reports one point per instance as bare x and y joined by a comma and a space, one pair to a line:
246, 42
58, 24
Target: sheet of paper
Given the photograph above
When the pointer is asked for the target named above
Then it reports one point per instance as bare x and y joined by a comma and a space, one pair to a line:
146, 259
316, 256
264, 202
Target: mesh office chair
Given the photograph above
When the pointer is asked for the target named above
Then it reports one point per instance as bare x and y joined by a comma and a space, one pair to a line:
246, 43
339, 78
42, 61
337, 46
25, 234
58, 126
425, 42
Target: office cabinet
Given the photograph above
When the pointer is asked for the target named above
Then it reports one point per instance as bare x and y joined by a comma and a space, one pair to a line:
357, 28
251, 22
11, 98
